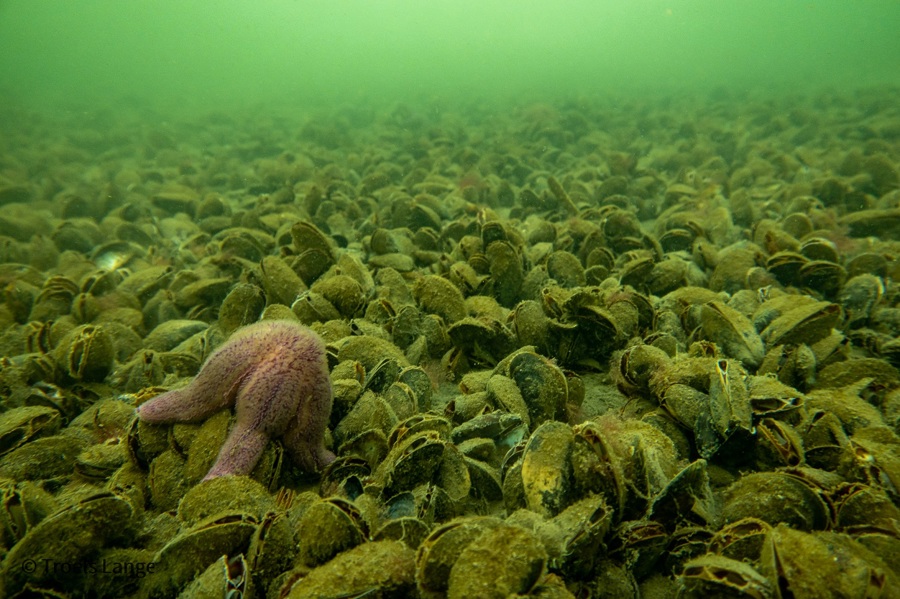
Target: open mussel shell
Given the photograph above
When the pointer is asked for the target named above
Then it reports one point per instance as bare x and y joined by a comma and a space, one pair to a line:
20, 425
716, 575
71, 534
542, 384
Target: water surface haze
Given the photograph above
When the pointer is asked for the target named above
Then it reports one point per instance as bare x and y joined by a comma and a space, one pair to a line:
210, 55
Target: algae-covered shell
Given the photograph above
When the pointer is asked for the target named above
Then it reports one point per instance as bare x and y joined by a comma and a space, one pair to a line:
685, 544
327, 528
343, 292
420, 384
775, 497
224, 494
677, 239
574, 538
242, 306
100, 460
504, 393
438, 553
547, 468
402, 400
504, 560
636, 364
146, 441
272, 549
867, 262
378, 568
66, 537
719, 576
369, 445
730, 414
225, 577
22, 507
20, 425
777, 444
785, 265
436, 295
484, 340
859, 506
243, 243
687, 500
793, 365
822, 276
506, 272
647, 460
485, 479
281, 283
314, 251
640, 544
343, 471
542, 384
565, 268
414, 460
824, 439
770, 397
733, 333
168, 335
530, 324
805, 323
202, 293
418, 423
144, 283
497, 428
596, 468
384, 241
193, 550
311, 307
87, 353
371, 414
166, 480
54, 300
741, 540
408, 529
876, 453
859, 297
825, 564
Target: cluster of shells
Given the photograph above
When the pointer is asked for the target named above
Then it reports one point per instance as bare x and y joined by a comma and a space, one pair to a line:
598, 349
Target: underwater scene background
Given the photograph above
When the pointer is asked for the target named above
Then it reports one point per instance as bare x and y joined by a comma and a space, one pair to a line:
450, 299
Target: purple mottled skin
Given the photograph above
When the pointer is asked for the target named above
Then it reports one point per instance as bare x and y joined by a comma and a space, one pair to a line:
275, 373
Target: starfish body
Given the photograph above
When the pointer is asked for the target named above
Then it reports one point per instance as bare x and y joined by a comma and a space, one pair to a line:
275, 374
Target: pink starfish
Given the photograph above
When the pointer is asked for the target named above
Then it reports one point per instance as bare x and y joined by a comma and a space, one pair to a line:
275, 373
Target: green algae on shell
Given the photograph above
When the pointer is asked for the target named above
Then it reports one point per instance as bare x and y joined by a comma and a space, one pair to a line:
383, 567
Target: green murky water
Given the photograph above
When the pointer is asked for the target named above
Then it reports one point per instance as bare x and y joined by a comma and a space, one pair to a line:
609, 285
203, 55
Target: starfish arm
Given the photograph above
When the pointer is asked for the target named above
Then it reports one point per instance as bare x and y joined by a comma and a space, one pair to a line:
304, 438
197, 401
215, 387
240, 452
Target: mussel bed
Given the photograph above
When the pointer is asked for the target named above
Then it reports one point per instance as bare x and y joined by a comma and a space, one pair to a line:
612, 347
